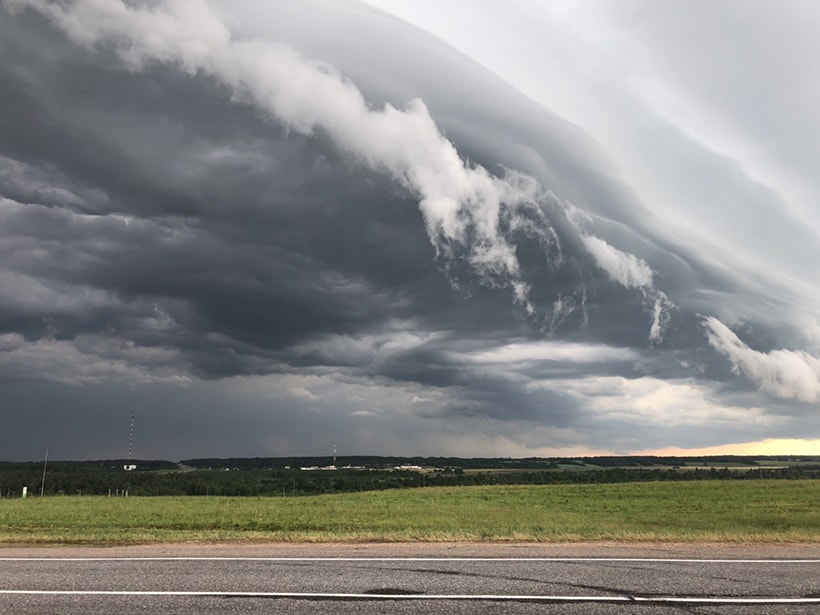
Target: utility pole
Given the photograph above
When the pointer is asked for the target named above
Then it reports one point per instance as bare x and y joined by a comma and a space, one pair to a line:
43, 486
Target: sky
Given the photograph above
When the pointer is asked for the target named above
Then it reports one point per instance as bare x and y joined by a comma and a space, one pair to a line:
437, 228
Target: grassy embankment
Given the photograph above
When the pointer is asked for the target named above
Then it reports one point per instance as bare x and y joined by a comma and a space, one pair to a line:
736, 511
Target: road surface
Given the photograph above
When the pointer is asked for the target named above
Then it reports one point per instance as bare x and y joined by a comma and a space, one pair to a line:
586, 579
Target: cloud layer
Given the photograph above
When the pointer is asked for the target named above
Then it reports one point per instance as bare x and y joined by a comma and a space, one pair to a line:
215, 209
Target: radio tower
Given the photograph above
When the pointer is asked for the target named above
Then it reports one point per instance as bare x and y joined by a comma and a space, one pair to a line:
130, 465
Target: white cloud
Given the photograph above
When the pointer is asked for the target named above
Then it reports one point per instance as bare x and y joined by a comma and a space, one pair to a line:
661, 317
550, 351
651, 401
626, 269
789, 374
347, 349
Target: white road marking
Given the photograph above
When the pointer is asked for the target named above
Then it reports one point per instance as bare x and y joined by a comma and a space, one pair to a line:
411, 559
395, 597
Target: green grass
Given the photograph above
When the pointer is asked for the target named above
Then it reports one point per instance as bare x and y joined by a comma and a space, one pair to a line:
735, 511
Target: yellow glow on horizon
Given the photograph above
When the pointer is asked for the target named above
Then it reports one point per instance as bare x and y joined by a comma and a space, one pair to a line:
781, 446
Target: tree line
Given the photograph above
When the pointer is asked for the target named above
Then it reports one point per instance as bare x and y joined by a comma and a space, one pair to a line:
293, 482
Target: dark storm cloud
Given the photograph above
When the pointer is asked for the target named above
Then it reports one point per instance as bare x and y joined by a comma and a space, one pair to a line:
461, 264
211, 206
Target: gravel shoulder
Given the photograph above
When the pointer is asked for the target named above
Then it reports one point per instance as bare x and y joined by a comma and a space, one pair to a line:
428, 549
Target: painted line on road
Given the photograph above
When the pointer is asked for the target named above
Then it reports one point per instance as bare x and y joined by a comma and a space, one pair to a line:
412, 559
418, 597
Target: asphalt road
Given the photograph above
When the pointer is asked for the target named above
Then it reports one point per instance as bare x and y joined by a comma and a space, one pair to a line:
416, 578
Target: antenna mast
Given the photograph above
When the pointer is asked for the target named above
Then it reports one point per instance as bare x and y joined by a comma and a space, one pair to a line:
131, 440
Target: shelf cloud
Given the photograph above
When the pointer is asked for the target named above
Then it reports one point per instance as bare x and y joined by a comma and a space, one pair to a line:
270, 226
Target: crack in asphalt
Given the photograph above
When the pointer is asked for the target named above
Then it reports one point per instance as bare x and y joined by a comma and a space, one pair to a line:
607, 591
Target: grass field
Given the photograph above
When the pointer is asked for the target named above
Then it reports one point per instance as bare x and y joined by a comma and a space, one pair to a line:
734, 511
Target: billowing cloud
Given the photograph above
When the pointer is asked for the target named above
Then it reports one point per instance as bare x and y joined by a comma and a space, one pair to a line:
626, 269
289, 225
788, 374
462, 204
465, 208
